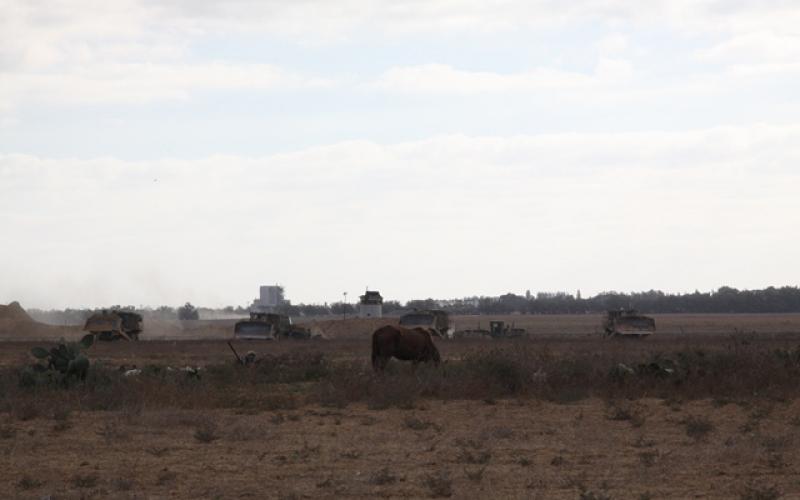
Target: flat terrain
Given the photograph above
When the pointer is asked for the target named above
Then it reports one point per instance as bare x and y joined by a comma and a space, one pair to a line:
231, 434
20, 327
467, 449
180, 353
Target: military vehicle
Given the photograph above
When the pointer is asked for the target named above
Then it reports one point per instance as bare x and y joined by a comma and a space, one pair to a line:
628, 323
500, 330
435, 319
497, 330
114, 325
268, 326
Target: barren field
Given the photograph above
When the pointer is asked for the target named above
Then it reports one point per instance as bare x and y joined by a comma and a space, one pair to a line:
463, 449
706, 408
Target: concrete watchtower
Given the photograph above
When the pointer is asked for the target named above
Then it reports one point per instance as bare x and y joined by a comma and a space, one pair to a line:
371, 305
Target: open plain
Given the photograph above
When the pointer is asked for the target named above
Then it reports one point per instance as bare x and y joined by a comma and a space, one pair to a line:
709, 407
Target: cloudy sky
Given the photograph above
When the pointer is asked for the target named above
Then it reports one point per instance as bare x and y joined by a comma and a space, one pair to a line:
159, 151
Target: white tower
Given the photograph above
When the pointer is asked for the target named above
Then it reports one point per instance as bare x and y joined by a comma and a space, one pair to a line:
370, 305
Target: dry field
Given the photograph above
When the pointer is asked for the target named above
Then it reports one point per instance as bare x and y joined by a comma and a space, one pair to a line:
547, 417
464, 449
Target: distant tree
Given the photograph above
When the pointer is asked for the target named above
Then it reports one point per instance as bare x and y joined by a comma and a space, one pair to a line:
188, 311
341, 307
390, 306
422, 304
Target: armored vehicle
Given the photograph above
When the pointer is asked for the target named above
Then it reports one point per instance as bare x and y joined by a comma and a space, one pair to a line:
435, 319
268, 326
114, 325
628, 323
499, 330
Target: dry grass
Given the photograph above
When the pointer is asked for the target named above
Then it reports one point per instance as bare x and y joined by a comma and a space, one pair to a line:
518, 419
540, 450
733, 372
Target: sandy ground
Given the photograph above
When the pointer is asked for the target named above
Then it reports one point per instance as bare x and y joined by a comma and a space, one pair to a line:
505, 449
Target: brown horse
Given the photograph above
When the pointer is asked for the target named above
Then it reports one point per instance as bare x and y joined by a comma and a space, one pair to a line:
407, 344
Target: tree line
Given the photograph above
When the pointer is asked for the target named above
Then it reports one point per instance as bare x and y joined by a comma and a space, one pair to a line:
723, 300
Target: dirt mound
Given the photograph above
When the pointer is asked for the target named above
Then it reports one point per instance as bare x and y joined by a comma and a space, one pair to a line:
14, 312
16, 324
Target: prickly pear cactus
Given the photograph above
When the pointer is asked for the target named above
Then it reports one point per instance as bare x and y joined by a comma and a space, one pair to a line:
64, 359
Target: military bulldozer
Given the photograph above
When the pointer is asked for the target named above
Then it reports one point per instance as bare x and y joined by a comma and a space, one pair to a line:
501, 330
497, 330
268, 326
628, 323
437, 320
114, 325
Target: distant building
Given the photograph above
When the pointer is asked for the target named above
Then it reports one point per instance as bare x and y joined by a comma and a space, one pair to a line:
269, 299
370, 305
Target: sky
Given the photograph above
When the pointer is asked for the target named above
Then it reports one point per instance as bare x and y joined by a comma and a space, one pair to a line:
158, 152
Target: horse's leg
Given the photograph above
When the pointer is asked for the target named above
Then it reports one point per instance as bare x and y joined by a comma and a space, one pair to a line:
376, 362
380, 363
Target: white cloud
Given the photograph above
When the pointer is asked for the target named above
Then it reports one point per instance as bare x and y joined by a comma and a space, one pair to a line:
613, 44
143, 82
420, 218
442, 78
763, 47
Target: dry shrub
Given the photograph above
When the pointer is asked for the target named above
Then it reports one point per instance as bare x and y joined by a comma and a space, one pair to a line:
417, 424
7, 432
27, 411
84, 480
439, 484
275, 402
627, 413
62, 426
166, 476
760, 492
593, 495
698, 428
206, 432
289, 368
306, 452
648, 458
113, 432
157, 451
123, 484
502, 433
472, 452
728, 374
382, 476
475, 475
28, 483
393, 392
246, 431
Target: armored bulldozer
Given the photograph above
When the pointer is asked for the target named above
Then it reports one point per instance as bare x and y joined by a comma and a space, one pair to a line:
435, 319
502, 330
497, 330
628, 323
114, 325
268, 326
